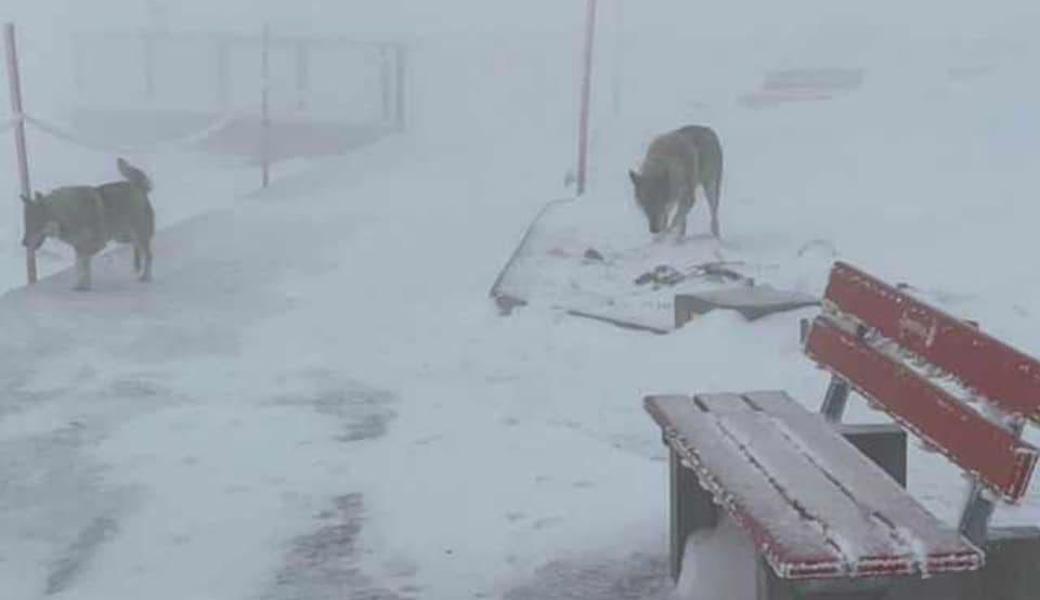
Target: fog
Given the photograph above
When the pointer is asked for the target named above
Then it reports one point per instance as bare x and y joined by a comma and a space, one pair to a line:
315, 398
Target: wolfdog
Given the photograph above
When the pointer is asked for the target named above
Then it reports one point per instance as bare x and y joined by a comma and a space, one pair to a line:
675, 165
88, 218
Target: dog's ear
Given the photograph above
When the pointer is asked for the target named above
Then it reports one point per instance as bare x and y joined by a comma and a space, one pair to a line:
39, 197
635, 177
25, 199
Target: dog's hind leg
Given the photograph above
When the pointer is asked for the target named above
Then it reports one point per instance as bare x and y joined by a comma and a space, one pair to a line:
146, 252
680, 223
82, 271
137, 259
682, 212
713, 191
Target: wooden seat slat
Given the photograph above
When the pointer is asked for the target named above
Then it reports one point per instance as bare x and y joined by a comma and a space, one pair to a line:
870, 485
773, 524
790, 460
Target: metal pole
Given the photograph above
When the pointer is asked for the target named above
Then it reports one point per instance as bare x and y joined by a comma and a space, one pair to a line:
619, 54
386, 82
79, 47
149, 64
400, 86
13, 78
265, 116
223, 73
836, 400
586, 97
303, 74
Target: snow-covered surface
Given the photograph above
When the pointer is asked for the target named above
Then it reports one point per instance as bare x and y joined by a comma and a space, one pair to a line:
315, 398
583, 256
717, 563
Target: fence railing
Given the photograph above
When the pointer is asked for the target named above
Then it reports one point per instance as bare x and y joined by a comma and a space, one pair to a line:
139, 56
391, 59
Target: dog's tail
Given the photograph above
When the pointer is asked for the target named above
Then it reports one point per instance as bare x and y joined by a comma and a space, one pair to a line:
134, 175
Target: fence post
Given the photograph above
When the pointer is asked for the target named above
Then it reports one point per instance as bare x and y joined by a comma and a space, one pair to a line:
303, 73
223, 72
386, 82
265, 115
149, 64
586, 97
619, 56
13, 78
78, 68
400, 86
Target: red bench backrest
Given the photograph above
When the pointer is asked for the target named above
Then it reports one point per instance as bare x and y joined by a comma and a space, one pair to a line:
1003, 376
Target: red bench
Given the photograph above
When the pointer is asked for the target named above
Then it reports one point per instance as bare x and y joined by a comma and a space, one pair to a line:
824, 502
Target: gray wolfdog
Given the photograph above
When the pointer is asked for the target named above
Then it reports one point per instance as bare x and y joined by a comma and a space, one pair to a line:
88, 218
675, 165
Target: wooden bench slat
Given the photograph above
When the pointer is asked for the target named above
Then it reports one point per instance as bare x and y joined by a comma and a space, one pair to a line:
999, 459
860, 476
1003, 375
773, 524
798, 513
796, 472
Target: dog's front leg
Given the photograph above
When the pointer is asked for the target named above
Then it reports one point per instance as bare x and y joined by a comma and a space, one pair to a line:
681, 214
146, 253
82, 271
680, 226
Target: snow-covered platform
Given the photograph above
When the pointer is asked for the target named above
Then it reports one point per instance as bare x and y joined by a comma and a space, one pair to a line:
567, 260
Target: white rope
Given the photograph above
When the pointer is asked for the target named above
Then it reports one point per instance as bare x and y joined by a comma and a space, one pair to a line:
69, 135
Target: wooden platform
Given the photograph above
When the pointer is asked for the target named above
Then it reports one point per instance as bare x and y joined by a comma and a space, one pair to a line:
568, 261
752, 302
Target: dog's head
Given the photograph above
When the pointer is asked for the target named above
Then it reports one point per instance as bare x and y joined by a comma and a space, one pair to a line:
653, 194
38, 222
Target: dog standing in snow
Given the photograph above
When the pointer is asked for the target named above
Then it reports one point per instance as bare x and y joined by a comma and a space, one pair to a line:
88, 218
676, 164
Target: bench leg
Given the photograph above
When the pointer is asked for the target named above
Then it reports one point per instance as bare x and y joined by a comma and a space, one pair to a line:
957, 586
692, 509
837, 398
1012, 557
977, 513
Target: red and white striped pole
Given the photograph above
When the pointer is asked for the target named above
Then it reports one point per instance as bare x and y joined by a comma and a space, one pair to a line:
14, 80
586, 97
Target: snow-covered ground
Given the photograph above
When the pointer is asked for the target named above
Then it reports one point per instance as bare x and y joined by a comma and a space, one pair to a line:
316, 399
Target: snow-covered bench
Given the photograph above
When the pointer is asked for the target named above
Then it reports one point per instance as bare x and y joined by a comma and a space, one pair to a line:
824, 502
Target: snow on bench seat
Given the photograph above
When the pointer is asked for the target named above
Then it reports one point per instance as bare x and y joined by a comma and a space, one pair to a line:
814, 505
